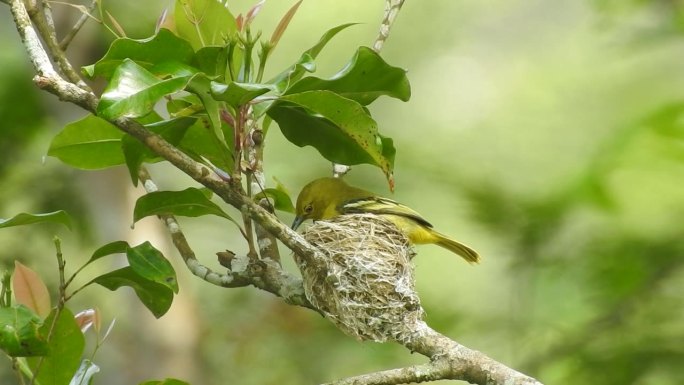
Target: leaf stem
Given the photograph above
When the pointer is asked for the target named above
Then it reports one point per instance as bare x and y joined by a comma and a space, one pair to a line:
6, 291
60, 303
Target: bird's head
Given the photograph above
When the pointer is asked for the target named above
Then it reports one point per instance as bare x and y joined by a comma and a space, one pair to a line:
318, 200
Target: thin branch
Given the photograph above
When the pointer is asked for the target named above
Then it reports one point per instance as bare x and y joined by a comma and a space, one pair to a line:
42, 18
261, 274
66, 40
464, 364
60, 303
268, 246
410, 374
392, 8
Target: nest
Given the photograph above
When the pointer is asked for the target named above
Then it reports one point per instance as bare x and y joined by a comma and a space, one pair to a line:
365, 283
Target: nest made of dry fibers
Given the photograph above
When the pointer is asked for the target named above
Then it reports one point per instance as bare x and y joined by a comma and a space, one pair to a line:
364, 283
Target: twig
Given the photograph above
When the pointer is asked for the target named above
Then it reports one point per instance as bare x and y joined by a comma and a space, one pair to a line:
263, 275
60, 303
66, 40
392, 8
42, 18
16, 365
268, 246
410, 374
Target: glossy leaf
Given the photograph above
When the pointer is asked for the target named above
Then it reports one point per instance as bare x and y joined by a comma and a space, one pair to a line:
203, 22
200, 85
305, 62
156, 297
281, 200
60, 217
133, 91
365, 78
190, 202
212, 61
135, 153
30, 290
200, 141
89, 143
162, 47
65, 349
172, 69
20, 334
150, 263
237, 94
116, 247
339, 128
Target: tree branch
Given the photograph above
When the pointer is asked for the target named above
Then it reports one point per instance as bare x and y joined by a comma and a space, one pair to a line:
392, 8
259, 273
66, 40
450, 360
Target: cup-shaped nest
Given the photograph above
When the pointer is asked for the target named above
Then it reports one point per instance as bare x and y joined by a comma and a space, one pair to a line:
365, 282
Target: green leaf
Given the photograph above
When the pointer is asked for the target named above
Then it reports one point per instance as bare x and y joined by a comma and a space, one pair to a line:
135, 153
366, 77
116, 247
90, 143
190, 202
160, 48
306, 60
168, 381
200, 140
212, 61
133, 91
20, 334
281, 200
238, 94
150, 264
200, 85
204, 22
30, 290
156, 297
65, 349
21, 219
339, 128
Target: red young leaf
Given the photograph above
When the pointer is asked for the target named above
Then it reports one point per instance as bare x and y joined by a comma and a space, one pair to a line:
87, 318
238, 22
253, 12
30, 291
284, 22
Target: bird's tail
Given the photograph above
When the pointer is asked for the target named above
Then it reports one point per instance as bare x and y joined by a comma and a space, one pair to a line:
464, 251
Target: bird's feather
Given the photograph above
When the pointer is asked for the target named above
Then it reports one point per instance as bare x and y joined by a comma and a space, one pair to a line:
380, 205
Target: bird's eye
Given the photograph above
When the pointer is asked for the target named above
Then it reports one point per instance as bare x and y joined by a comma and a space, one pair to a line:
308, 209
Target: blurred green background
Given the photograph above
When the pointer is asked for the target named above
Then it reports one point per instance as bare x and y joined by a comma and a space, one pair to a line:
548, 135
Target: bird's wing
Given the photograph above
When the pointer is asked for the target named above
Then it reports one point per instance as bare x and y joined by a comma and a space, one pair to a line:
379, 205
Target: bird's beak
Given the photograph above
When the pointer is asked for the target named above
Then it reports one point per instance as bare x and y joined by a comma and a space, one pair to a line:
297, 221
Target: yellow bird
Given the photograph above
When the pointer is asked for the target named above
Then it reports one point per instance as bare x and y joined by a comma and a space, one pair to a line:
327, 198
